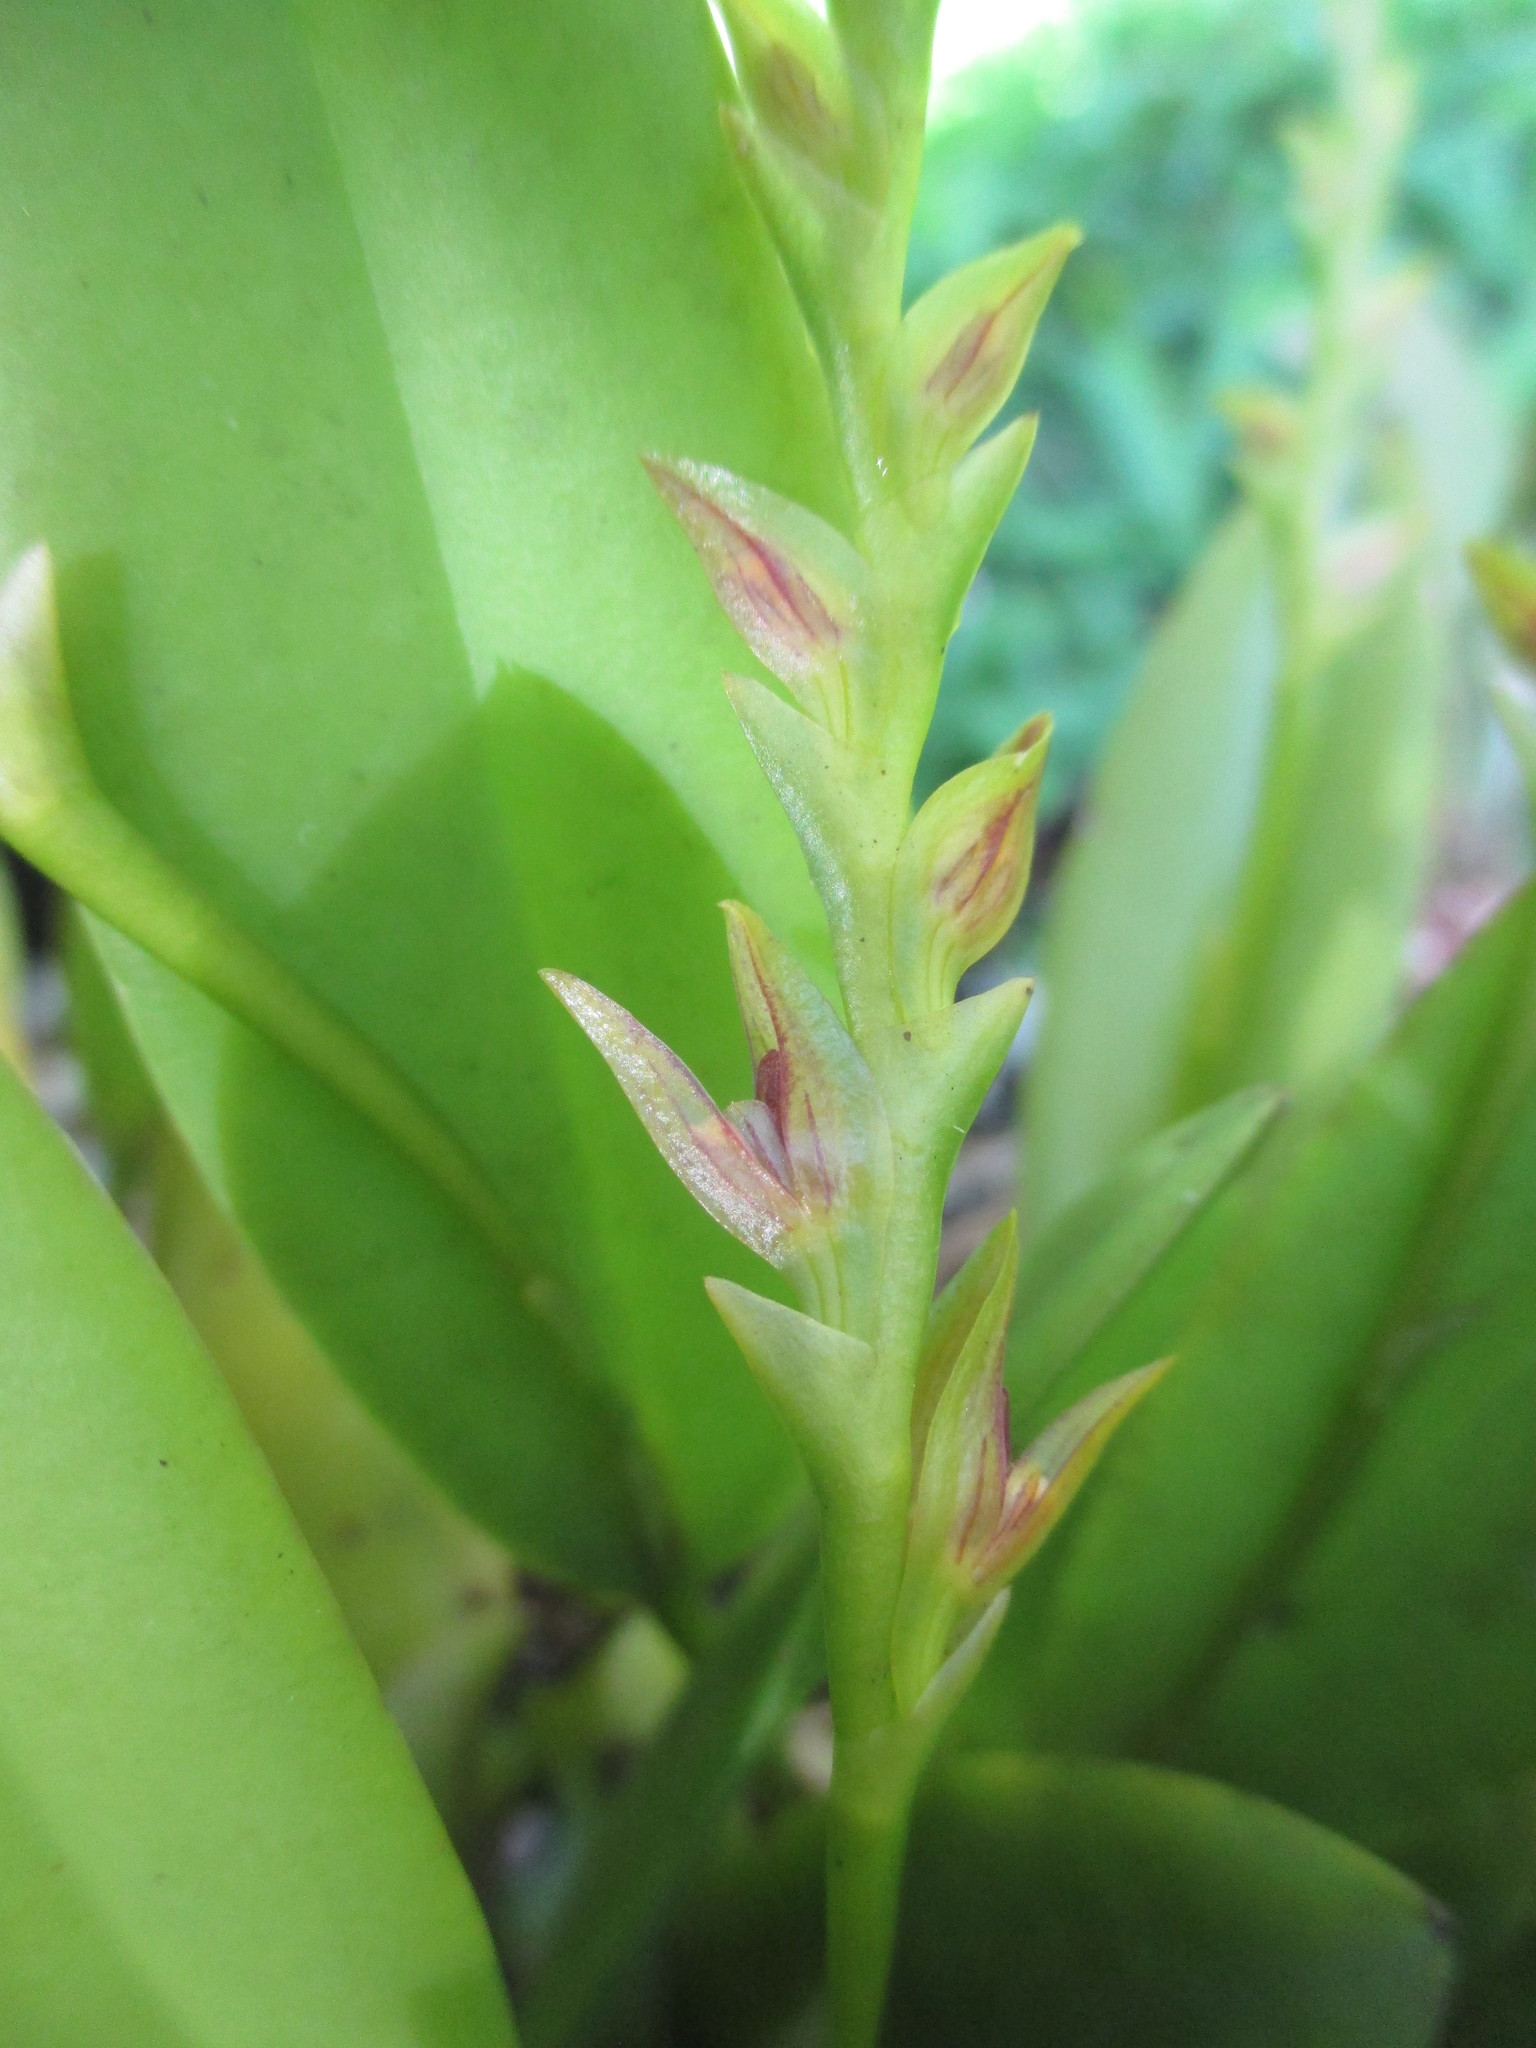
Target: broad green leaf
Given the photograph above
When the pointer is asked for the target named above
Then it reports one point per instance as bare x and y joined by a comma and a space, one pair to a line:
214, 1839
1091, 1905
405, 1567
1095, 1257
1150, 875
1497, 2009
1084, 1905
1310, 973
1305, 1567
333, 336
754, 1672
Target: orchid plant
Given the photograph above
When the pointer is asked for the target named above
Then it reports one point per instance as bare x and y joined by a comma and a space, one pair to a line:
835, 1171
351, 673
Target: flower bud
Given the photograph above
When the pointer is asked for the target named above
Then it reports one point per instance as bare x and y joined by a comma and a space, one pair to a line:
962, 346
1506, 582
816, 1120
978, 1515
727, 1175
790, 72
963, 869
790, 584
797, 1172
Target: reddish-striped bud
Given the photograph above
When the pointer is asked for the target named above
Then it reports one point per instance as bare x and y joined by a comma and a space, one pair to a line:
726, 1173
790, 584
978, 1514
791, 76
962, 346
963, 868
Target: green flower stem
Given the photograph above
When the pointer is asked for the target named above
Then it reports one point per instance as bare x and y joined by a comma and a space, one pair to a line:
1300, 496
869, 1812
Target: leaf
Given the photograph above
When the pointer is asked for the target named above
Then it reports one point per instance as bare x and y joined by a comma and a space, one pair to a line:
389, 250
1083, 1904
1087, 1905
754, 1673
1310, 975
1305, 1567
229, 1712
1096, 1256
405, 1568
1150, 875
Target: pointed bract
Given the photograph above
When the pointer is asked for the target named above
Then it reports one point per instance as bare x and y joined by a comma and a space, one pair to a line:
726, 1175
952, 1318
963, 868
790, 584
980, 492
823, 1382
962, 346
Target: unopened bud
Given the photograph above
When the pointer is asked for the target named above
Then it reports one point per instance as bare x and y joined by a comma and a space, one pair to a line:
816, 1119
725, 1173
1506, 582
963, 869
962, 346
1266, 423
790, 584
978, 1515
790, 72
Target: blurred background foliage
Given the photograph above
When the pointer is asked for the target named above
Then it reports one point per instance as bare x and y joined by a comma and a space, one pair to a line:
1159, 125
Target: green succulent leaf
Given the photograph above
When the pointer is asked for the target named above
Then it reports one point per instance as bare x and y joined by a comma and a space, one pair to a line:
1325, 1522
1087, 1905
213, 1835
1092, 1904
298, 299
1150, 875
1102, 1251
